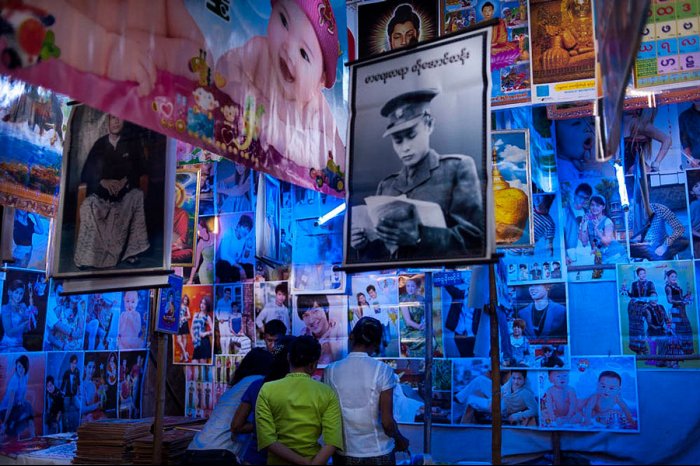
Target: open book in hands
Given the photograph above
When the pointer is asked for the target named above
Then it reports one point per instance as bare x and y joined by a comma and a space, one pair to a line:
396, 208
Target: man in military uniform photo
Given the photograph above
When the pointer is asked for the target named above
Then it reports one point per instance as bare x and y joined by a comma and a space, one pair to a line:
449, 180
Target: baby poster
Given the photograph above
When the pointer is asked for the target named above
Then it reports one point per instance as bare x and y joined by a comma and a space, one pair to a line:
22, 386
244, 79
599, 393
325, 318
133, 320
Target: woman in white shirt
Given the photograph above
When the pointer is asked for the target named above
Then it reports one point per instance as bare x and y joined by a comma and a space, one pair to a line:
365, 388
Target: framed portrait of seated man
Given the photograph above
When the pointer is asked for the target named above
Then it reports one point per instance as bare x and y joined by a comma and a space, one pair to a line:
419, 168
116, 205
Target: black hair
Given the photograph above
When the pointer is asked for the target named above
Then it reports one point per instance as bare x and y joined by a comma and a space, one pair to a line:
246, 221
639, 269
15, 285
73, 357
520, 371
309, 301
304, 350
280, 359
402, 14
207, 301
49, 378
367, 331
24, 360
486, 5
228, 288
256, 362
371, 287
282, 287
275, 327
584, 188
598, 200
610, 374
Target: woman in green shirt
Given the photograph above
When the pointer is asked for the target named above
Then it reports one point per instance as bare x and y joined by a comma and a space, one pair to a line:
292, 413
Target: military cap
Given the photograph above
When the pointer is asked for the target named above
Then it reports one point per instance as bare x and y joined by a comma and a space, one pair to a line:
405, 110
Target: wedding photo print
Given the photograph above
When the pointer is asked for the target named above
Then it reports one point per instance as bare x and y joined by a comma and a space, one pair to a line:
418, 160
116, 186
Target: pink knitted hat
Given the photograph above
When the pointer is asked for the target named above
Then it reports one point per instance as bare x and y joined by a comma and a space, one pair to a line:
322, 19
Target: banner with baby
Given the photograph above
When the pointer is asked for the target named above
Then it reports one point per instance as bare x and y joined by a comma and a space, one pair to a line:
257, 82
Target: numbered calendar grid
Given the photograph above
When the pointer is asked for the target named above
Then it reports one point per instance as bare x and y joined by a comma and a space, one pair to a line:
670, 50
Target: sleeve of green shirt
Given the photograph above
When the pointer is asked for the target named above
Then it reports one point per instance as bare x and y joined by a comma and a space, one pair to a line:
331, 422
264, 422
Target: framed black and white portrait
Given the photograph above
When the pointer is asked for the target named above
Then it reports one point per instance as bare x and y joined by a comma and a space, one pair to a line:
419, 156
116, 205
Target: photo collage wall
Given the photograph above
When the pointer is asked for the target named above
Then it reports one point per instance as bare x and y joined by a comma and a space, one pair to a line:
252, 249
80, 358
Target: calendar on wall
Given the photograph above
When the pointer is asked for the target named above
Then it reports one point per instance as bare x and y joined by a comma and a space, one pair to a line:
669, 54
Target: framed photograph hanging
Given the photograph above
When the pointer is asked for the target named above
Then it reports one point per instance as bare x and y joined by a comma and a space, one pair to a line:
185, 217
512, 190
116, 198
419, 164
169, 302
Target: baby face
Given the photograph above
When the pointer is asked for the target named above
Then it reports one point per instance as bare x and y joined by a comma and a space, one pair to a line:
295, 53
131, 299
559, 379
608, 387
